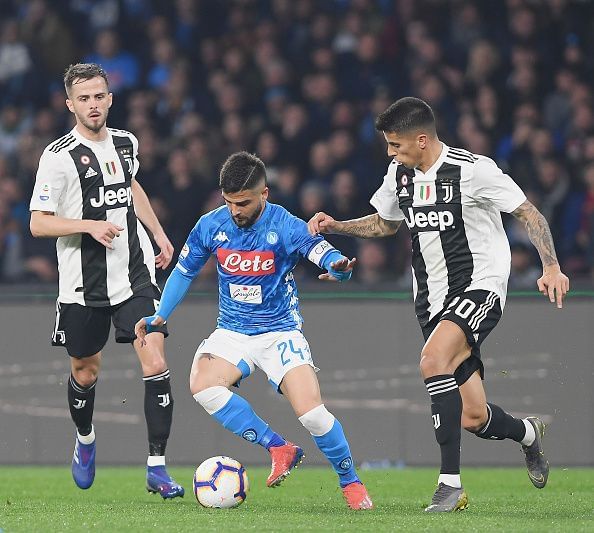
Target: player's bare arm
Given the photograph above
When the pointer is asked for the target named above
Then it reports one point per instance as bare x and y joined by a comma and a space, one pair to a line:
47, 224
147, 216
553, 283
366, 227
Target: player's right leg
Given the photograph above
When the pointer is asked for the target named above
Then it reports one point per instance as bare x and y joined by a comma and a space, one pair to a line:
210, 379
83, 331
300, 386
445, 349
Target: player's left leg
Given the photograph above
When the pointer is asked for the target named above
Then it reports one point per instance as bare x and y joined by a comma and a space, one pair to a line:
489, 421
300, 386
158, 398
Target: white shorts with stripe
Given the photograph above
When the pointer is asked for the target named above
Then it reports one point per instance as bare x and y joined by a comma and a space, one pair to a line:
275, 353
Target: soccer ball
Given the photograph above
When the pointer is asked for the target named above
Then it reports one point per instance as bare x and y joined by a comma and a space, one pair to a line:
220, 482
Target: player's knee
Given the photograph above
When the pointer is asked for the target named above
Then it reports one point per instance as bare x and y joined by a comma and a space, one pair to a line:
318, 421
85, 374
474, 418
153, 366
213, 398
432, 365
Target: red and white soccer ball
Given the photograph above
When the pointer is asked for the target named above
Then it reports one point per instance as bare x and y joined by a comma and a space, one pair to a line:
220, 482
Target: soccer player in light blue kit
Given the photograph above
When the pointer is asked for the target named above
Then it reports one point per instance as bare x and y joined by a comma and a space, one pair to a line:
257, 245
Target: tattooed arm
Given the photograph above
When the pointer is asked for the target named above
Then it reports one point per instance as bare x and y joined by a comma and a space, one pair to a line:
365, 227
553, 282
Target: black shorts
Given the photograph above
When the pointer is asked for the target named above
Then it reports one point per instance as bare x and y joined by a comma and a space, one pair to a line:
84, 330
477, 313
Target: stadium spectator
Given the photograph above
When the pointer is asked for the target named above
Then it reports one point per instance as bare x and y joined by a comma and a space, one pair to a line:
298, 78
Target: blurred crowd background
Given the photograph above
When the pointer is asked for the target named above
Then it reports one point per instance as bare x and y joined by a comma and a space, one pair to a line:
299, 83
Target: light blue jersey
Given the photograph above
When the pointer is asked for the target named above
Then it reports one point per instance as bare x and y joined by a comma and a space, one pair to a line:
257, 292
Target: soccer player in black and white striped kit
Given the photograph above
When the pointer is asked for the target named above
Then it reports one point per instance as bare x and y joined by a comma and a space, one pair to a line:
451, 201
86, 195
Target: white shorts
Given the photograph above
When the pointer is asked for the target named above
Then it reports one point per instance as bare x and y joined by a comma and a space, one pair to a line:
275, 353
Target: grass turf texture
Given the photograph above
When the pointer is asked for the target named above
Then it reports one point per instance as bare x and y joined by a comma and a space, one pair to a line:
46, 499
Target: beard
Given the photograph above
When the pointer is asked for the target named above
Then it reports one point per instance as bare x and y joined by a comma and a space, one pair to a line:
247, 222
94, 125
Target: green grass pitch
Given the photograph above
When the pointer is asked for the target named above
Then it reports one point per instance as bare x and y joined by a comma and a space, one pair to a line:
45, 499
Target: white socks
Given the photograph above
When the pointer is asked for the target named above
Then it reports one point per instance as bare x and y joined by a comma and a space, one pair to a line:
155, 460
453, 480
213, 398
86, 439
530, 434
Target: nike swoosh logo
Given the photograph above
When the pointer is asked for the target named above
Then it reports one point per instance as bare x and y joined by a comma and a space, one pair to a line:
540, 478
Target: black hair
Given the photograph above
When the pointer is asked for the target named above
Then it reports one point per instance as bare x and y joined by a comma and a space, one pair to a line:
83, 71
241, 171
407, 115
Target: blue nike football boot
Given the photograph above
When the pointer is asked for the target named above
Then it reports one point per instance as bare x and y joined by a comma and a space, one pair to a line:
158, 480
83, 464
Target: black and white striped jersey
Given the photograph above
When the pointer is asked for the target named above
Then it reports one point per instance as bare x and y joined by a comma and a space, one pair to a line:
82, 179
453, 212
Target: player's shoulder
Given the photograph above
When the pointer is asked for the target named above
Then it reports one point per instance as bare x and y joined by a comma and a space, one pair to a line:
120, 132
213, 219
461, 156
277, 211
61, 144
115, 132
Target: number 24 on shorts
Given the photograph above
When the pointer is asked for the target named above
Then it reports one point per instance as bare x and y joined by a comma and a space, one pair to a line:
287, 348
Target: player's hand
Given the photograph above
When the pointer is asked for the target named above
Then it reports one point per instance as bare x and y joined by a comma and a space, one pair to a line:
104, 232
165, 254
554, 284
321, 223
345, 265
147, 325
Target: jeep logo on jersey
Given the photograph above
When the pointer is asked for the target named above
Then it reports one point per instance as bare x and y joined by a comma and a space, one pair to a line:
113, 196
254, 263
432, 219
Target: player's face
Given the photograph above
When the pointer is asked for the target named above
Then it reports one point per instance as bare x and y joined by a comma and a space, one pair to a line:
90, 103
406, 148
246, 206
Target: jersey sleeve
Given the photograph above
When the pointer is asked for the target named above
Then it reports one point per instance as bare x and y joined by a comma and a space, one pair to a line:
490, 185
313, 247
385, 200
136, 163
194, 254
50, 183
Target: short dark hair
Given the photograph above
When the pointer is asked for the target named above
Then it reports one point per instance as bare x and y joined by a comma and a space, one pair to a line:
241, 171
83, 71
407, 115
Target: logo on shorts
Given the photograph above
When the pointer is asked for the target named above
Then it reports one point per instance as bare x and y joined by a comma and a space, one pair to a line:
345, 464
250, 435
